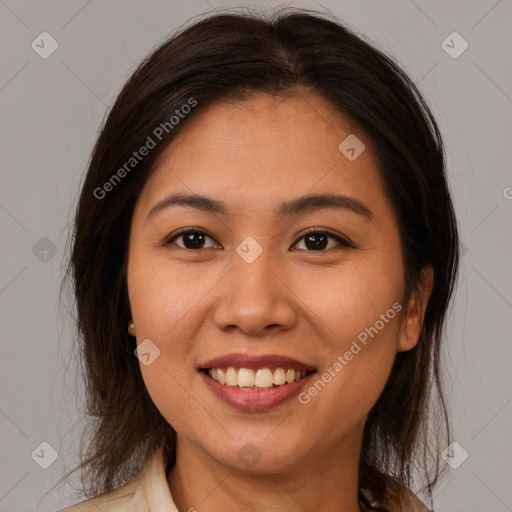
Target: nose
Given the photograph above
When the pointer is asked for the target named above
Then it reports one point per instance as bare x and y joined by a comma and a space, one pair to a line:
256, 298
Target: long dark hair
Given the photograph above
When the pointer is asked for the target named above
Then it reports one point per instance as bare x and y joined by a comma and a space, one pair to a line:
233, 55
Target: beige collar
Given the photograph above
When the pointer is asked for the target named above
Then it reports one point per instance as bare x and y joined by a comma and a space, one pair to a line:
147, 492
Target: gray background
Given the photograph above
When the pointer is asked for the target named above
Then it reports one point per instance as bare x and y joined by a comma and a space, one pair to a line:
50, 111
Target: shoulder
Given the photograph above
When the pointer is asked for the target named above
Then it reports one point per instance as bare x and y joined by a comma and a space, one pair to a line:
124, 498
146, 492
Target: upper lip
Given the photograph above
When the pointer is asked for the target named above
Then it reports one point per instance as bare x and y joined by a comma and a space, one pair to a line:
238, 360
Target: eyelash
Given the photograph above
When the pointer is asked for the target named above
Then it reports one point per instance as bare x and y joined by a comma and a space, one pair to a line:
344, 242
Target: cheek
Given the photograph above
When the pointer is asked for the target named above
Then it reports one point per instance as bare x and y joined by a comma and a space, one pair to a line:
347, 302
169, 303
164, 312
357, 313
171, 394
163, 294
350, 384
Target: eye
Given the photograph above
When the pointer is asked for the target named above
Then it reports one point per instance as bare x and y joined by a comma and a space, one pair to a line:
192, 239
318, 239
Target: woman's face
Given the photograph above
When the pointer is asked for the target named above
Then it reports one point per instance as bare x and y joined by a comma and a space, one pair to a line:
245, 283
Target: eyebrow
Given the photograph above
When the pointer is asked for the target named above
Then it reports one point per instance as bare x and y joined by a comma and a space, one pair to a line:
300, 205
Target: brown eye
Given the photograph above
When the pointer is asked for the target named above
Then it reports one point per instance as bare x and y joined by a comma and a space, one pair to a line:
318, 241
192, 239
314, 241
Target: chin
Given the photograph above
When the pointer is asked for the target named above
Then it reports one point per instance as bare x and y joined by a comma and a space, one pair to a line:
257, 456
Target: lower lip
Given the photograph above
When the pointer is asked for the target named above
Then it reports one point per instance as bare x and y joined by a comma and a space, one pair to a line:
255, 400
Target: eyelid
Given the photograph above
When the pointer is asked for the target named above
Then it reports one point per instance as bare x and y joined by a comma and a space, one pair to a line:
343, 240
171, 238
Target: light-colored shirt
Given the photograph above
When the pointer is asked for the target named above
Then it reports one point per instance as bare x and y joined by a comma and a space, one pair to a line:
149, 492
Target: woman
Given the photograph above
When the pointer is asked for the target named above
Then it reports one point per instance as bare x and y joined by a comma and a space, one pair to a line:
266, 224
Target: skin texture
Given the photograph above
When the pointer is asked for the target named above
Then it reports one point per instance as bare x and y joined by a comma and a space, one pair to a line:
196, 304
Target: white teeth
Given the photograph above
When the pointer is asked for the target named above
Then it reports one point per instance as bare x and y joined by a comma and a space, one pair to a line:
221, 375
231, 377
290, 376
279, 376
245, 377
263, 378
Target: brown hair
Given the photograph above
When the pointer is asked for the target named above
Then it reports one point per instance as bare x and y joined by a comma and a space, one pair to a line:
233, 55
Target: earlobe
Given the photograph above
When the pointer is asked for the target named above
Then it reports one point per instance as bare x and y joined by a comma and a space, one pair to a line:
131, 328
412, 322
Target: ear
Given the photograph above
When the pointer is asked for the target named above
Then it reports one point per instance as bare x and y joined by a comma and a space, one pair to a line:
131, 328
412, 322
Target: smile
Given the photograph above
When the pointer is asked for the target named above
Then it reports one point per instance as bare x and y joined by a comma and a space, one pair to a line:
255, 379
255, 383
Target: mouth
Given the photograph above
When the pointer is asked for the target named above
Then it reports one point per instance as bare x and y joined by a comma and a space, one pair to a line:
255, 383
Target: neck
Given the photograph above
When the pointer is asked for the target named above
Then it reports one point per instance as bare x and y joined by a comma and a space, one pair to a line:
326, 482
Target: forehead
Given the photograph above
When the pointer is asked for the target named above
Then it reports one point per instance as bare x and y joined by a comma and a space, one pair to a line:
261, 151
